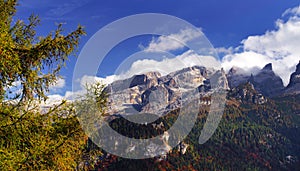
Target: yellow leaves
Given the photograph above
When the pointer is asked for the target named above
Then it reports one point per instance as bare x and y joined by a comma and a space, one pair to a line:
29, 139
41, 141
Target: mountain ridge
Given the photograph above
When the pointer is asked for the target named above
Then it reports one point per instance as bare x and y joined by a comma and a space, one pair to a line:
257, 130
140, 90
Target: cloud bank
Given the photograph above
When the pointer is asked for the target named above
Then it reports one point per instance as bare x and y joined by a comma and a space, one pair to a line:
279, 47
173, 41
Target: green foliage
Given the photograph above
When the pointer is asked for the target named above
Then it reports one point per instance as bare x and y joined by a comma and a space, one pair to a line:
39, 141
35, 62
32, 138
249, 137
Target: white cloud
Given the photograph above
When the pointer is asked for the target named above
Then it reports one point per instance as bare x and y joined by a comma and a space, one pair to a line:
168, 65
173, 41
292, 11
244, 60
72, 95
279, 47
88, 80
53, 99
222, 50
59, 84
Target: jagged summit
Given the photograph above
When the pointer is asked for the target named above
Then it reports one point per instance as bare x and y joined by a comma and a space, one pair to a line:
236, 76
265, 81
268, 67
169, 88
153, 93
294, 84
246, 93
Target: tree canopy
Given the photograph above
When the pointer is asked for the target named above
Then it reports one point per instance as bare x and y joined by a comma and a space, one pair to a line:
30, 138
34, 61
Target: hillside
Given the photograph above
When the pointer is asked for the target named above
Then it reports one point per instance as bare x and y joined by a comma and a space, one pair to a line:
250, 136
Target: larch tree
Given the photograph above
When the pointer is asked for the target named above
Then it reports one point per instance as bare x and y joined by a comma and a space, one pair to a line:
31, 139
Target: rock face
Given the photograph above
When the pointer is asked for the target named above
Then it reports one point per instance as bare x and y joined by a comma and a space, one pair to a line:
153, 93
236, 76
294, 84
265, 81
246, 93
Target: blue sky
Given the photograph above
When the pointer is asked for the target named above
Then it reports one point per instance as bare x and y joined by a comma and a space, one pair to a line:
225, 22
228, 25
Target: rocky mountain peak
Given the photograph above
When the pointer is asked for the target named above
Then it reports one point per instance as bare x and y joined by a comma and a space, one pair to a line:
236, 76
251, 79
153, 93
294, 85
219, 80
148, 79
268, 67
153, 74
265, 81
246, 93
232, 71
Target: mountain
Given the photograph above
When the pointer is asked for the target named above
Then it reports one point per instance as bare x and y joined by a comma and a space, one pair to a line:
294, 84
153, 93
236, 76
250, 136
265, 81
246, 93
258, 130
254, 134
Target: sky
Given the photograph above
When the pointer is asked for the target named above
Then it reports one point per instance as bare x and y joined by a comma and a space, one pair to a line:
246, 34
